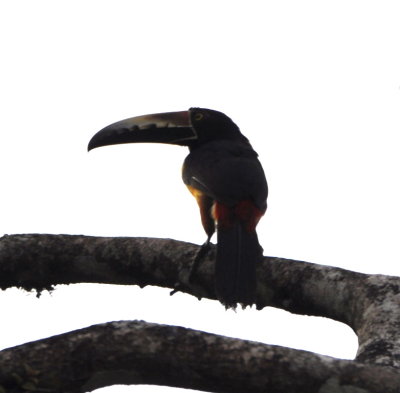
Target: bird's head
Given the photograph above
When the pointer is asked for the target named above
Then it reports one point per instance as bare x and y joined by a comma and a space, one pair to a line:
187, 128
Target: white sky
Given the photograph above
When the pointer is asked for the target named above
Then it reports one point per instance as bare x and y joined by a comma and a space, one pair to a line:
314, 85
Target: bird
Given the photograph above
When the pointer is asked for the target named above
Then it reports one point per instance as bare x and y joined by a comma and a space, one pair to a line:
225, 176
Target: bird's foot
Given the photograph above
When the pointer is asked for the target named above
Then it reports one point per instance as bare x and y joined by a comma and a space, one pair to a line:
177, 288
203, 251
185, 277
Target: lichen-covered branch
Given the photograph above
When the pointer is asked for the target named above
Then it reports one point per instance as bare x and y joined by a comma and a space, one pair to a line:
136, 352
370, 304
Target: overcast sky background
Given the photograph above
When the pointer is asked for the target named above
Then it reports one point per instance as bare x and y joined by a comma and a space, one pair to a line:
314, 85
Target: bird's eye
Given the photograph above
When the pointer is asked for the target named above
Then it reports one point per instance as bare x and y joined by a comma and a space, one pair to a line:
198, 116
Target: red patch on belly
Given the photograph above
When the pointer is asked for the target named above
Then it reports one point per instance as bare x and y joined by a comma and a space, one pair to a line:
244, 211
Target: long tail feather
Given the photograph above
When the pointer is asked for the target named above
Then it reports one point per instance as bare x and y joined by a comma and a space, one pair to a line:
238, 252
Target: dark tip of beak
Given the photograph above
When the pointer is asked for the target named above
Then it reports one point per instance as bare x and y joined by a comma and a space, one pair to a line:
112, 135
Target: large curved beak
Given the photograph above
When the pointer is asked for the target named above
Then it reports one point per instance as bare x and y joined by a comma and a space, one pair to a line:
171, 127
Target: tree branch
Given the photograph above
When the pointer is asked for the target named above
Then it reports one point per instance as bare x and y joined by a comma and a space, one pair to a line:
367, 303
136, 352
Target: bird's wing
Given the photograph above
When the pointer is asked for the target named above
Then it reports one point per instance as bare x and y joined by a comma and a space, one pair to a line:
227, 173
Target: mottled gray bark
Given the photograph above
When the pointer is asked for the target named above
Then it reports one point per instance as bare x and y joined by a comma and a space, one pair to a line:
145, 353
136, 352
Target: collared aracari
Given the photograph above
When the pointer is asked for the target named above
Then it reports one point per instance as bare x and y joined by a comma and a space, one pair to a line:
223, 173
